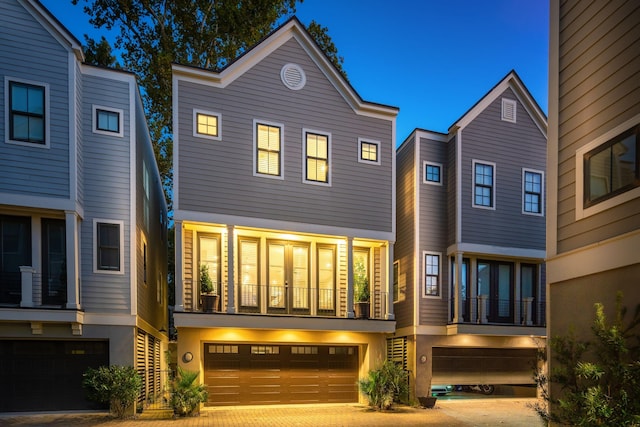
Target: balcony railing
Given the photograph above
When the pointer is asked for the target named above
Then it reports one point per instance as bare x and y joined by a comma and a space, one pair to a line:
481, 309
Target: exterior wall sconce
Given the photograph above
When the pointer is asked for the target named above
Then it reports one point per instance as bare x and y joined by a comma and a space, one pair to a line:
187, 357
423, 359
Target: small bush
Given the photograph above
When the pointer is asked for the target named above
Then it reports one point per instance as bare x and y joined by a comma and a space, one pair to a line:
187, 395
116, 385
385, 386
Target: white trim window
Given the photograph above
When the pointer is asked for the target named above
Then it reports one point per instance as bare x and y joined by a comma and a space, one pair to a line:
267, 149
107, 120
207, 124
432, 173
532, 192
317, 157
484, 184
108, 246
431, 278
608, 170
368, 151
27, 112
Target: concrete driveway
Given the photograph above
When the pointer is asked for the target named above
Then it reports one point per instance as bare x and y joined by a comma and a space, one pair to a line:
454, 413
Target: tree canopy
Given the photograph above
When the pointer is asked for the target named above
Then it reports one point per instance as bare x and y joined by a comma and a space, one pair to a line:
153, 34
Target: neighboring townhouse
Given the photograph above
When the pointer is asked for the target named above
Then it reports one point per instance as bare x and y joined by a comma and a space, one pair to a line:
284, 194
469, 257
83, 219
593, 222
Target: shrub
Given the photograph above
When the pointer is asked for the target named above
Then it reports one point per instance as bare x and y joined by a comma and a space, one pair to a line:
187, 394
385, 386
116, 385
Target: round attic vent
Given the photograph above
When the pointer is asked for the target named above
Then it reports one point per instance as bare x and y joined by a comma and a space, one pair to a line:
293, 76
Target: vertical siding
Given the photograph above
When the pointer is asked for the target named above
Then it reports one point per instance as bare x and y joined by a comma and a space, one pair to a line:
217, 176
433, 229
107, 194
599, 89
403, 250
511, 146
30, 52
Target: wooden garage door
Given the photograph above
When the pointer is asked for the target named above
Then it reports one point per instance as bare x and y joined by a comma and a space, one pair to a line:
47, 375
260, 374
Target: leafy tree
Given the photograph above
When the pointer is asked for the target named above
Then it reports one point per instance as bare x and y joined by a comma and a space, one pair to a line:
209, 34
597, 382
99, 53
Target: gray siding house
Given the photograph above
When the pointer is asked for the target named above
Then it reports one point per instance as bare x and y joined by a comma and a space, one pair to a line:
284, 194
469, 257
83, 255
594, 172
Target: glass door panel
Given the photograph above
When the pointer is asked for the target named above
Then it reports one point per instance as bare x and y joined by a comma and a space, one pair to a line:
249, 273
300, 271
504, 291
326, 280
54, 265
276, 274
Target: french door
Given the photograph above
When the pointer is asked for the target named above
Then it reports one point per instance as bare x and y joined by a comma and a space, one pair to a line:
288, 290
495, 280
54, 265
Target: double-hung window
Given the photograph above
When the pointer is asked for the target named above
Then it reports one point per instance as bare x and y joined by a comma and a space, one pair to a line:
532, 192
317, 152
484, 184
268, 149
431, 274
27, 112
109, 243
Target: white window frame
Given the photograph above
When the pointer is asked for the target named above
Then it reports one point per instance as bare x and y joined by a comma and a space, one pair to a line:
257, 122
473, 185
424, 274
424, 172
581, 211
305, 131
94, 120
372, 142
47, 113
514, 106
97, 221
542, 185
218, 117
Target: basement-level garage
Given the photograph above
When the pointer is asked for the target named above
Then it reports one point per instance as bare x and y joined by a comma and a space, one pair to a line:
263, 374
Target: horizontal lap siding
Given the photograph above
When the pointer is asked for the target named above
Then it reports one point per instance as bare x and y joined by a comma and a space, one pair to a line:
217, 176
433, 230
31, 170
599, 89
405, 234
107, 193
512, 147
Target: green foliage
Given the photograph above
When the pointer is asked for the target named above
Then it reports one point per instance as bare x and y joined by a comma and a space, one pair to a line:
116, 385
321, 36
385, 386
206, 284
360, 282
598, 381
99, 53
187, 395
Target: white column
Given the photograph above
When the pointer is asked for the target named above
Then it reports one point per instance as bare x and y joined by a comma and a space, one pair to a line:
73, 276
231, 283
179, 262
528, 306
350, 277
390, 314
26, 281
472, 291
482, 308
457, 290
517, 296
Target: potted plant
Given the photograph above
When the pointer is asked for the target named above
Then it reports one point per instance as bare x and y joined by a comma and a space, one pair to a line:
208, 292
361, 291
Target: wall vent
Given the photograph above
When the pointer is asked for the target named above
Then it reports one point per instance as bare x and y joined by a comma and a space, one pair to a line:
508, 110
293, 76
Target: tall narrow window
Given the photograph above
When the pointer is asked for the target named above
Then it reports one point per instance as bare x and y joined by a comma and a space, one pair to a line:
210, 257
27, 108
248, 250
316, 158
431, 275
268, 140
326, 279
108, 245
532, 199
483, 185
15, 251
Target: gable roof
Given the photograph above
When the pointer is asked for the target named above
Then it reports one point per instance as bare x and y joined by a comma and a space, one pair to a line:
291, 29
55, 27
513, 81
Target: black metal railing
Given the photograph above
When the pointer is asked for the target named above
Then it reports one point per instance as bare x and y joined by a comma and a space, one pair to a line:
523, 312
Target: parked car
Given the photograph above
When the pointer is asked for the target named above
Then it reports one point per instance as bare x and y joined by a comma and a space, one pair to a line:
441, 390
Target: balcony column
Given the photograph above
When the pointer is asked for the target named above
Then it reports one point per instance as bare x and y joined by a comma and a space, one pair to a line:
73, 276
231, 296
350, 314
179, 261
457, 290
389, 315
472, 292
26, 281
482, 308
528, 306
518, 316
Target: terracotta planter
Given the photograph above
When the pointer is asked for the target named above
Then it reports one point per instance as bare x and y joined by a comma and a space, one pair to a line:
209, 303
361, 310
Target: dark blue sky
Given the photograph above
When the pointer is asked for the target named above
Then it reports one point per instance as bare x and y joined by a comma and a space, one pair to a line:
432, 59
